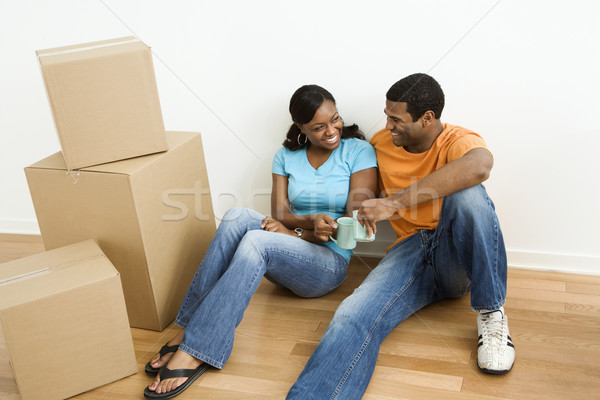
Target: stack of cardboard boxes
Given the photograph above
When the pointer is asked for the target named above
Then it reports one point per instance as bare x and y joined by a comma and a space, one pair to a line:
123, 193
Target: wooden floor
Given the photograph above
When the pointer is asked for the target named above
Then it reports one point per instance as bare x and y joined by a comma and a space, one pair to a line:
554, 321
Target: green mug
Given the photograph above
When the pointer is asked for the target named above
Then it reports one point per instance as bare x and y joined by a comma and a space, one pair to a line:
345, 234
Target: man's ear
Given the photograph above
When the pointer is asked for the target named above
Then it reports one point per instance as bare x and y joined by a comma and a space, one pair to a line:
427, 118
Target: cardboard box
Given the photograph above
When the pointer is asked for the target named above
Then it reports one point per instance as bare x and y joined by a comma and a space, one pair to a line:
104, 101
64, 327
152, 216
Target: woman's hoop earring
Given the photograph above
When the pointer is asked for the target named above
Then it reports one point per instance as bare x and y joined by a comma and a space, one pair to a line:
305, 139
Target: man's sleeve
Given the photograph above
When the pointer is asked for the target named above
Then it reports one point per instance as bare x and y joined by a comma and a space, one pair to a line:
465, 144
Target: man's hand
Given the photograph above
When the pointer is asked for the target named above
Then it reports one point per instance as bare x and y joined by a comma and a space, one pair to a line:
270, 224
374, 210
325, 226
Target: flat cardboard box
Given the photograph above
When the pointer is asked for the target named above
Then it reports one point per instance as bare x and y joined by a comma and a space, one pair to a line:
104, 101
64, 327
151, 215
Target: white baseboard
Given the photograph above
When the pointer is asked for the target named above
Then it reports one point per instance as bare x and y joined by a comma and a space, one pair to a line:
569, 263
19, 227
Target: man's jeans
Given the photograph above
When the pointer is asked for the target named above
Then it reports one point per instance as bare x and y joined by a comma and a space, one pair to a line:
464, 253
237, 258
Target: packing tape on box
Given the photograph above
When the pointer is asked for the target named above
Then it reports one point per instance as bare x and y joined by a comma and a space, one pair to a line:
74, 175
46, 271
55, 53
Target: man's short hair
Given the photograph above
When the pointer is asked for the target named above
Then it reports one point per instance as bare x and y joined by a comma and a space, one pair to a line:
420, 92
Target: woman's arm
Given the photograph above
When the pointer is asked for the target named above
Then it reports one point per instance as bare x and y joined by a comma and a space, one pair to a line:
270, 224
363, 186
282, 219
280, 206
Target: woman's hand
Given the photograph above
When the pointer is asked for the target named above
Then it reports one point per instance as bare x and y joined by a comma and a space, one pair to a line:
325, 226
270, 224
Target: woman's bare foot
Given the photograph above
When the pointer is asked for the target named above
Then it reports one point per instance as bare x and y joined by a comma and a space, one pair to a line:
179, 360
158, 361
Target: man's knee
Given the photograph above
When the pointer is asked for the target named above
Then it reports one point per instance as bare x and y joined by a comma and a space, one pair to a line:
358, 311
470, 201
347, 318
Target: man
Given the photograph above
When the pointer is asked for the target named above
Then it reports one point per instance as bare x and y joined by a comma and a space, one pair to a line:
449, 243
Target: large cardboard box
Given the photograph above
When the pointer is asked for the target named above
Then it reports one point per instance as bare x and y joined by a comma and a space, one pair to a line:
64, 327
151, 215
104, 101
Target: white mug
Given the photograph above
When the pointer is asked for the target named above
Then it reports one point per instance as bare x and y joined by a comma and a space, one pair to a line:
360, 232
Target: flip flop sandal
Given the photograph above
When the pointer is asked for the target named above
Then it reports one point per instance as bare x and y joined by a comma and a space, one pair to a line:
166, 373
150, 370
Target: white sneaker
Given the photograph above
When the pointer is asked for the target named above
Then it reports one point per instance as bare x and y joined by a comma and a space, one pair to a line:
495, 351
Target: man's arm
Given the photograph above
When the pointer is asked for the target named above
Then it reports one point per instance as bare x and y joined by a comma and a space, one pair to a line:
469, 170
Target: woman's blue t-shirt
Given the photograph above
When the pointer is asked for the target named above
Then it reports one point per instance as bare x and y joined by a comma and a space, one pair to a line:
326, 189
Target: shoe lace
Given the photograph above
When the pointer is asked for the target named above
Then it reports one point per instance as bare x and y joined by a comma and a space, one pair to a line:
493, 330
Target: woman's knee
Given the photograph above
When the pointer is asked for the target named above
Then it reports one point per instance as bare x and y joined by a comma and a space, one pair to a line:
243, 219
254, 241
241, 214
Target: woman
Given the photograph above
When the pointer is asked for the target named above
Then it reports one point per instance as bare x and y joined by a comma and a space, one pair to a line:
323, 172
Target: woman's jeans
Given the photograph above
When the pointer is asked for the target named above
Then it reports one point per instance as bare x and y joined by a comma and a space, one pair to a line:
464, 253
237, 258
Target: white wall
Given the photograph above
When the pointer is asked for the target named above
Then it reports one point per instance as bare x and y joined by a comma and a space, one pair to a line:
524, 74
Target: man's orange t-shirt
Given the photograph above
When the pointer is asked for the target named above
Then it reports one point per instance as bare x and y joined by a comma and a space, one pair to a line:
399, 169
